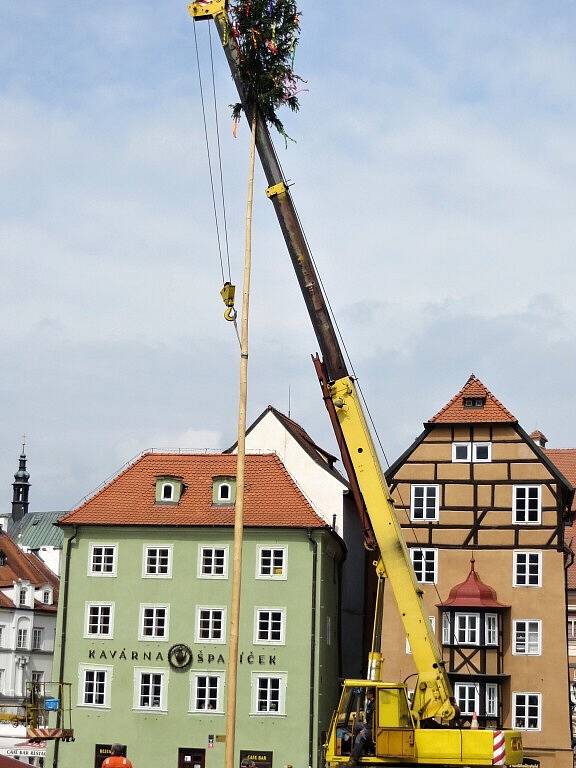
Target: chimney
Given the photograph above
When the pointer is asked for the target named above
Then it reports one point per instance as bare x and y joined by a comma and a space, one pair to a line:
539, 438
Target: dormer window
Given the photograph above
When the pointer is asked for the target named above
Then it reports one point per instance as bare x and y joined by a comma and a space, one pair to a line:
224, 491
474, 402
47, 596
168, 490
23, 597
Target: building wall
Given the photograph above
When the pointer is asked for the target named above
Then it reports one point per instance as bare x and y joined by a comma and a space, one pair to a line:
153, 738
481, 493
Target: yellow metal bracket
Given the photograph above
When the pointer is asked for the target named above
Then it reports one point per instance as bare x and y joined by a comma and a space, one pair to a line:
276, 189
207, 9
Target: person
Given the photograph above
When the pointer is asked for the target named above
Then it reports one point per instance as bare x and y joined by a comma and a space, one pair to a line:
363, 729
117, 759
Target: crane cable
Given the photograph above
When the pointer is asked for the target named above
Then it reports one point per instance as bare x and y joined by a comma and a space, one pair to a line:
228, 289
363, 398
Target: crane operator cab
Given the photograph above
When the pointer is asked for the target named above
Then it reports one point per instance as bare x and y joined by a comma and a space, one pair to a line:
371, 720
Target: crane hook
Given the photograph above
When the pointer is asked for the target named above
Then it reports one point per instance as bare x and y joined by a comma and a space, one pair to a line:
228, 291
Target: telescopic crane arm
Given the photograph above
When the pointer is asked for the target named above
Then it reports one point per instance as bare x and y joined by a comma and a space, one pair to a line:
433, 693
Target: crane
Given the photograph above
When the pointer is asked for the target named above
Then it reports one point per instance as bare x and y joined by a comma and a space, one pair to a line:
401, 729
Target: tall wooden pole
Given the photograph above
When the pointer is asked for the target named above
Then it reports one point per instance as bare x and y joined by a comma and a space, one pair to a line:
240, 471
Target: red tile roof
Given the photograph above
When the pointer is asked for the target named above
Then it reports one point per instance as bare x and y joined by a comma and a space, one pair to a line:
473, 593
25, 566
491, 412
565, 460
272, 497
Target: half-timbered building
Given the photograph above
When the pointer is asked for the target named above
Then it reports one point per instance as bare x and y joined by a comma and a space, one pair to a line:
483, 510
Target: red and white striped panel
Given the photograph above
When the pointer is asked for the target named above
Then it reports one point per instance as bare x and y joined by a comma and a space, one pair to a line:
499, 748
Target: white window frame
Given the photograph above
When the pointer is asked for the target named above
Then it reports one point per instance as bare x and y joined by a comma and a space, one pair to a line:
37, 632
468, 458
261, 609
47, 596
491, 700
272, 576
466, 618
37, 676
212, 547
254, 686
155, 607
527, 552
446, 638
108, 673
476, 687
194, 679
426, 487
98, 604
138, 672
488, 619
426, 551
475, 446
527, 488
23, 632
168, 484
527, 630
23, 597
211, 608
145, 550
570, 628
515, 718
219, 498
100, 574
432, 620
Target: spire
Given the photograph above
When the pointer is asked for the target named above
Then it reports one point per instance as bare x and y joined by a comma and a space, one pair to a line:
21, 487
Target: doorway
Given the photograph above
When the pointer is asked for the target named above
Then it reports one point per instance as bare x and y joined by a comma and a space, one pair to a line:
190, 757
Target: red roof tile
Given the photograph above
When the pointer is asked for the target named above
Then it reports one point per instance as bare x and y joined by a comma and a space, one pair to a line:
473, 593
492, 411
565, 460
272, 498
25, 566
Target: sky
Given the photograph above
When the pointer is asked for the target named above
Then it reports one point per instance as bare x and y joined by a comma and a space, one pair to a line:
433, 168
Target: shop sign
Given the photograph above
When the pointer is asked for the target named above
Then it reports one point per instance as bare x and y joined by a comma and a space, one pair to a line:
201, 657
255, 758
30, 751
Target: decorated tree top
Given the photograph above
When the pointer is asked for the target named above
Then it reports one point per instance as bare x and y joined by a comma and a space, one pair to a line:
266, 32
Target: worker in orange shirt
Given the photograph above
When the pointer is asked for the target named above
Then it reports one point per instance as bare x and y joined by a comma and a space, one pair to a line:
116, 759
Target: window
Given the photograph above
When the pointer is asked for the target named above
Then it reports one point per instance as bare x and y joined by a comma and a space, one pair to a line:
37, 677
269, 625
446, 629
207, 692
491, 629
2, 636
526, 504
94, 686
467, 696
22, 599
37, 638
224, 491
424, 504
527, 569
153, 622
432, 620
158, 562
150, 689
492, 699
213, 562
425, 563
474, 402
481, 452
527, 637
461, 451
467, 629
167, 492
476, 452
268, 694
571, 629
210, 625
99, 620
22, 641
527, 711
272, 563
47, 597
102, 560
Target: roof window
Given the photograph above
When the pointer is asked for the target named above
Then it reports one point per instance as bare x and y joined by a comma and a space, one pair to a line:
169, 490
474, 402
224, 491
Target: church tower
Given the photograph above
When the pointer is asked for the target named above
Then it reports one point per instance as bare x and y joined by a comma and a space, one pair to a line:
21, 486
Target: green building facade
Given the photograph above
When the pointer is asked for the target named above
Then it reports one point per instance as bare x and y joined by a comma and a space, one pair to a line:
143, 632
